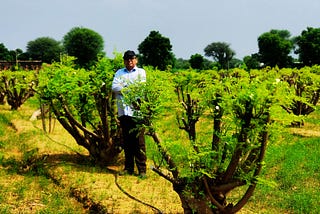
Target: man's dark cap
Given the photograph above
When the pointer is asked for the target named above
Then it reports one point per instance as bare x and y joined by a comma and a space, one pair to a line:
129, 55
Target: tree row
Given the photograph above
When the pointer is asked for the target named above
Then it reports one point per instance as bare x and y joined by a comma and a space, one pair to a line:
276, 48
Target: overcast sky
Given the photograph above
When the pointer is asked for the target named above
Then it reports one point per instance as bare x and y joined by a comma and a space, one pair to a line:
189, 24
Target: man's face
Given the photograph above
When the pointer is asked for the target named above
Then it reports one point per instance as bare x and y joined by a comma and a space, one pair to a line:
130, 63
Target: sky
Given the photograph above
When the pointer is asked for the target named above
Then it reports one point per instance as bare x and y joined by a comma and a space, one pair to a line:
190, 25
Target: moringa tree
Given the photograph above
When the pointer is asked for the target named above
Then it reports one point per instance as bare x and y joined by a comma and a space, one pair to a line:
304, 84
218, 170
83, 103
17, 86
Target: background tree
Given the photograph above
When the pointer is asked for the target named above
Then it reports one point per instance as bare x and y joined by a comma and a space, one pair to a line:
18, 54
275, 47
208, 64
181, 64
45, 49
309, 46
156, 51
252, 62
197, 61
235, 63
84, 44
221, 53
4, 53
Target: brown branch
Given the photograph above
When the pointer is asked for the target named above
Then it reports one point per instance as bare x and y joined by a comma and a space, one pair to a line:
252, 186
70, 128
76, 123
172, 166
101, 105
185, 127
243, 200
315, 97
162, 174
225, 188
184, 105
212, 199
242, 137
287, 109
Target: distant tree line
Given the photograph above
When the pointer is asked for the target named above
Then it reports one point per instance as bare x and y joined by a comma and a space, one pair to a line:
276, 48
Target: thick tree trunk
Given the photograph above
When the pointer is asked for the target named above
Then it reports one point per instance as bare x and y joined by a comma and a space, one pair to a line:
190, 203
2, 98
102, 150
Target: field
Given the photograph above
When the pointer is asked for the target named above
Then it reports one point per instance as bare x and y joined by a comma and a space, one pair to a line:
50, 173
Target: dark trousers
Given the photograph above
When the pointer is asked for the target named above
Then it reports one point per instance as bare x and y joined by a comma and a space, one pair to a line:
134, 144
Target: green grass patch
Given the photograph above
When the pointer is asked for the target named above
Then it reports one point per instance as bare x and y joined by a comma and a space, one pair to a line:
293, 165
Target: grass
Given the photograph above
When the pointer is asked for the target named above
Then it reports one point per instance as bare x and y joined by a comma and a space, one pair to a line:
60, 181
293, 166
64, 182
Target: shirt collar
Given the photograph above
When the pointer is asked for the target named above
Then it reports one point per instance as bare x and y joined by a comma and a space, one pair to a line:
133, 69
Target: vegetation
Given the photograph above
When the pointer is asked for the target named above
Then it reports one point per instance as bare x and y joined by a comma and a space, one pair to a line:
4, 53
17, 86
84, 44
197, 61
227, 158
242, 108
155, 50
61, 181
50, 173
304, 84
308, 46
222, 123
252, 62
275, 47
46, 49
11, 55
221, 53
83, 103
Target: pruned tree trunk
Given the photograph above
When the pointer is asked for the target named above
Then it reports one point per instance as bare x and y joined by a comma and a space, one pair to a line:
2, 96
15, 97
307, 94
102, 142
209, 195
206, 194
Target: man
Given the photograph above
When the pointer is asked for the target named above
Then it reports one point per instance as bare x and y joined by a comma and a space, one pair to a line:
134, 142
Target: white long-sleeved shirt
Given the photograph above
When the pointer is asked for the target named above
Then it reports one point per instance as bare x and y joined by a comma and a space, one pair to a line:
122, 79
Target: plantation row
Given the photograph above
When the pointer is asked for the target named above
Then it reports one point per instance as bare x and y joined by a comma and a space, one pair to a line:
228, 117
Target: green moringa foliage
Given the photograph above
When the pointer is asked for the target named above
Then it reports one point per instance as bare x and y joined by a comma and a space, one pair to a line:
83, 103
304, 85
234, 114
210, 129
17, 86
